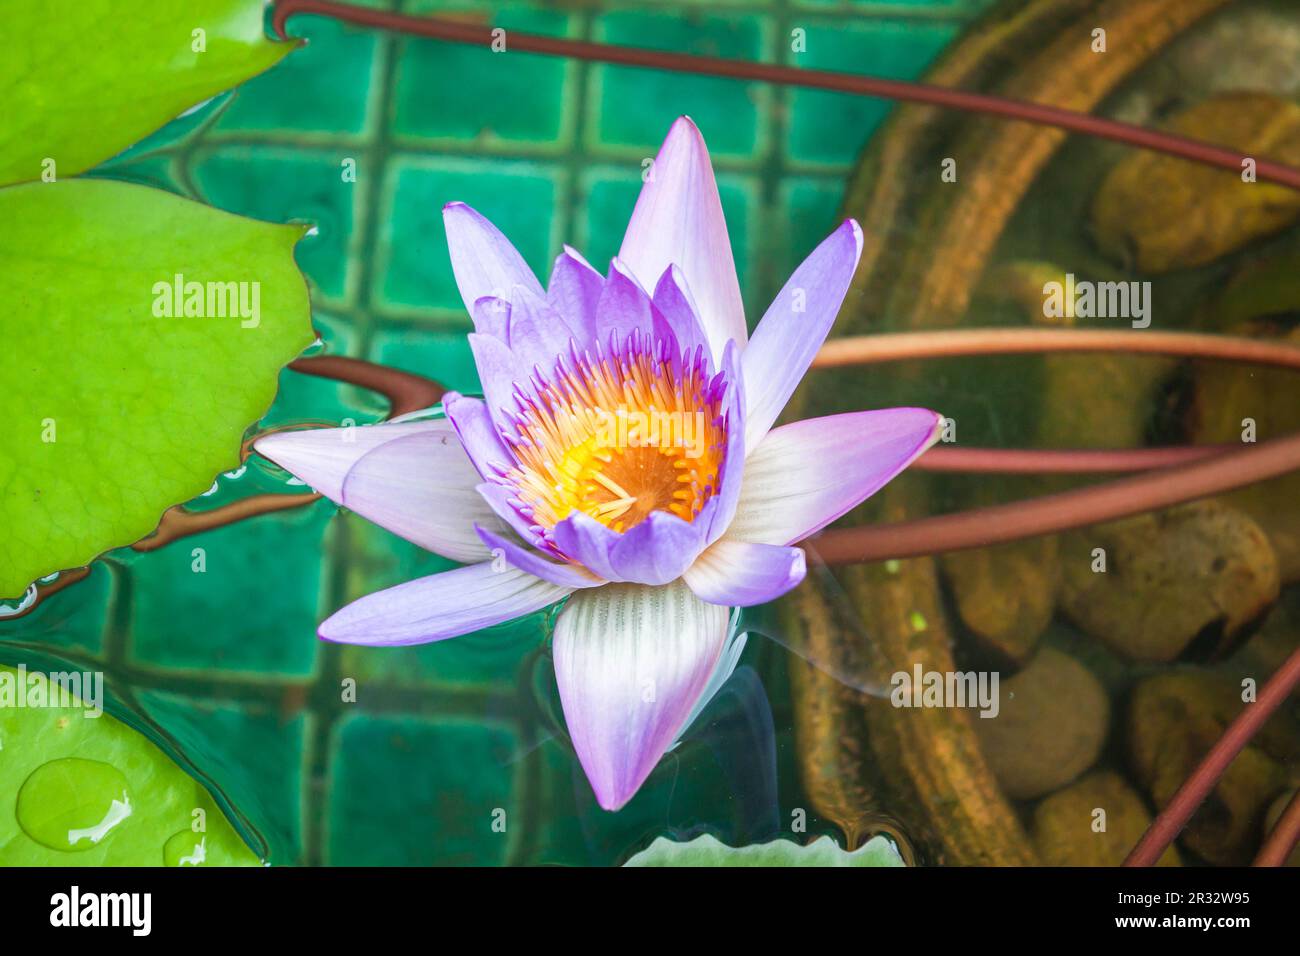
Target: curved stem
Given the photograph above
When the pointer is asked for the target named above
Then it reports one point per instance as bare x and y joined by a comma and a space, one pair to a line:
405, 391
1284, 836
998, 524
902, 90
957, 343
1171, 820
1061, 461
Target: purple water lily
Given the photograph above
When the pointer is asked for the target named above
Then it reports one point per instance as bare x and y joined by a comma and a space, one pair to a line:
624, 459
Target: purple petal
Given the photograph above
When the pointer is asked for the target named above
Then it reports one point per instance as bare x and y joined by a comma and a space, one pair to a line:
731, 479
423, 487
624, 305
678, 221
803, 476
440, 606
631, 662
498, 372
584, 539
673, 300
322, 457
795, 325
483, 260
499, 500
477, 432
491, 316
742, 573
538, 334
657, 550
565, 575
574, 290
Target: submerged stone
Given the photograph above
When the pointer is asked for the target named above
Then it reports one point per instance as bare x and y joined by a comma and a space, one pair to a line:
1173, 721
1050, 727
1095, 821
1201, 570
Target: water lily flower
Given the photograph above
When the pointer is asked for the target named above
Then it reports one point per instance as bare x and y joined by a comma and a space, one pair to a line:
623, 460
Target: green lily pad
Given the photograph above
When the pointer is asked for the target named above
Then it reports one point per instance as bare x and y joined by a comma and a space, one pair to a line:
112, 411
710, 851
90, 791
88, 79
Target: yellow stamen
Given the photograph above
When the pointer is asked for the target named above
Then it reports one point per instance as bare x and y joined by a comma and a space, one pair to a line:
619, 440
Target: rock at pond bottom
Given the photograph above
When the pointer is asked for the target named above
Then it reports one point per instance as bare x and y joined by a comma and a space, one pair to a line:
1093, 822
1174, 719
1159, 213
1050, 726
1005, 595
1201, 569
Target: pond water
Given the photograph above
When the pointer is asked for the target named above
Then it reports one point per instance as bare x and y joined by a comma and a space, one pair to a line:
1101, 685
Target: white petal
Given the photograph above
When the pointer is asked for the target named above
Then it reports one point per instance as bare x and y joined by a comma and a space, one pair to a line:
632, 661
804, 475
678, 221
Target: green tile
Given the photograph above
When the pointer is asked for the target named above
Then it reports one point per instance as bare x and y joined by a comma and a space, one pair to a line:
407, 791
492, 656
940, 7
75, 619
441, 355
325, 87
310, 399
252, 752
500, 99
518, 196
255, 607
809, 212
172, 137
633, 108
156, 170
829, 127
283, 185
610, 194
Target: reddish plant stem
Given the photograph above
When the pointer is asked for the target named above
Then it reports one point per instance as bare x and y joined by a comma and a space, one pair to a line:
871, 349
958, 343
1210, 470
406, 392
1061, 461
902, 90
179, 522
1171, 820
998, 524
1284, 836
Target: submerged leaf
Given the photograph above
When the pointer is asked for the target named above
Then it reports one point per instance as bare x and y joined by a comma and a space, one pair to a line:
710, 851
89, 791
88, 79
112, 411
